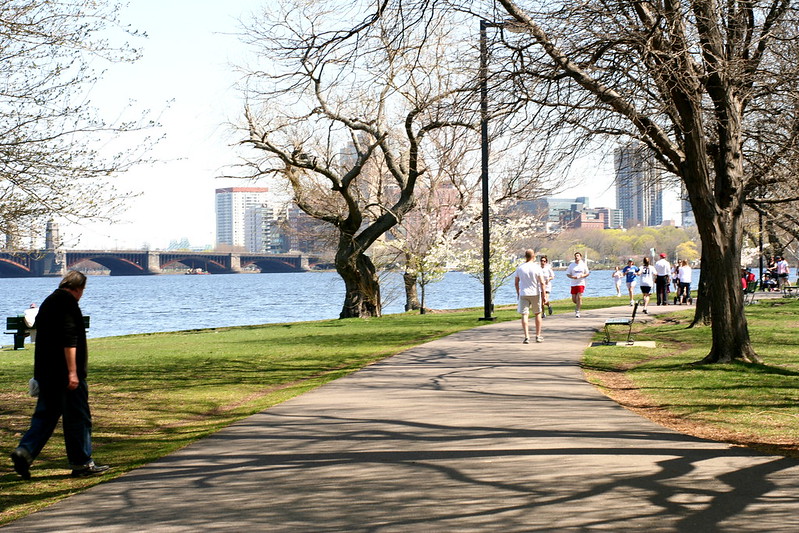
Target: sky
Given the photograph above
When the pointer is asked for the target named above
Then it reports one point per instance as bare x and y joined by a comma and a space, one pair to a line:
186, 79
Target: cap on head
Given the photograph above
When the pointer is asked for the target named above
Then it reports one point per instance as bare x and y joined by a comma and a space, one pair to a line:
662, 255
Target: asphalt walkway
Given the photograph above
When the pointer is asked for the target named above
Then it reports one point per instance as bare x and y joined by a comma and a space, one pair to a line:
474, 432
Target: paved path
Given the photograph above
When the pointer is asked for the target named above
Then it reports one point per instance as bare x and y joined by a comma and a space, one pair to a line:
474, 432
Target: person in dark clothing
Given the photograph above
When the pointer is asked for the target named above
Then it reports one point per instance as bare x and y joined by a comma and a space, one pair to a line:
59, 368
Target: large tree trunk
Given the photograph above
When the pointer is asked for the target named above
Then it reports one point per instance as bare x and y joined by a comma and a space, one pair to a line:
411, 292
362, 296
702, 316
723, 269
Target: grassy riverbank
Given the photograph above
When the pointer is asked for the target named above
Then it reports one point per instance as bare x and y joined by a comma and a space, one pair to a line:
743, 404
153, 394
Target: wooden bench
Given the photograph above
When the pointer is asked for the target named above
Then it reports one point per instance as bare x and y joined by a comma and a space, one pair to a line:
16, 326
622, 321
790, 291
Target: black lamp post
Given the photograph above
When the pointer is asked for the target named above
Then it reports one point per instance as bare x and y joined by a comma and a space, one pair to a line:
484, 168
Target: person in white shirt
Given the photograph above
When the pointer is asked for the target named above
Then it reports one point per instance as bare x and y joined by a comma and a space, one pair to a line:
783, 270
663, 273
531, 292
647, 281
549, 275
577, 272
684, 294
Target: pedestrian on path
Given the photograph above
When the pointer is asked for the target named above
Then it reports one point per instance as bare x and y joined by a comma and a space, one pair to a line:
531, 292
647, 280
663, 279
617, 276
630, 272
60, 361
577, 271
549, 275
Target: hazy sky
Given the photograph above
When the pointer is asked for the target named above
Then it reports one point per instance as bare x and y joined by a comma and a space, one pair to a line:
185, 78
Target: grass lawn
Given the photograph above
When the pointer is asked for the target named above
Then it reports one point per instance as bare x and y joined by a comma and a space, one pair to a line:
755, 405
153, 394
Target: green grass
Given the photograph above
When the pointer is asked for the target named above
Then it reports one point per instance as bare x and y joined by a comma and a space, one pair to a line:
752, 404
153, 394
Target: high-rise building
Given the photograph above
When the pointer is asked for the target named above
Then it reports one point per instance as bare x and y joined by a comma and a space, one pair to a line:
234, 218
639, 188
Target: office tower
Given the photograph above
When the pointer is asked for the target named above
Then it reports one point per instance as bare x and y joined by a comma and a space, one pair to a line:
234, 207
639, 188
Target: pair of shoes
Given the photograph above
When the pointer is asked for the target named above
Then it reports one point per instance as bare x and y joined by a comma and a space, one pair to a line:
526, 340
549, 309
21, 464
90, 469
577, 314
539, 338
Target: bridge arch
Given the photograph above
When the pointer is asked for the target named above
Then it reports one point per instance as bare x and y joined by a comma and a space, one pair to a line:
119, 265
209, 264
11, 268
271, 265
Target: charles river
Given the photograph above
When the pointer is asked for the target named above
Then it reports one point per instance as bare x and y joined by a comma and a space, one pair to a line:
122, 305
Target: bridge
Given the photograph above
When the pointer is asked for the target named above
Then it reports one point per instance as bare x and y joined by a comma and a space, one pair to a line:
18, 264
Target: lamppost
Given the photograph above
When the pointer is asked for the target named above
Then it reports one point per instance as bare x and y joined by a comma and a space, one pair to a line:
483, 73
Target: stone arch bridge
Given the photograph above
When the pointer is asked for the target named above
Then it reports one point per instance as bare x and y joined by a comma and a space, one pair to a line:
143, 262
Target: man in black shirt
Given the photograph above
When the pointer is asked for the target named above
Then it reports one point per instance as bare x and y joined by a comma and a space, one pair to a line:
60, 369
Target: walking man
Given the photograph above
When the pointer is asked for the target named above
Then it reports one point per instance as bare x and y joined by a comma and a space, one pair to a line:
662, 279
531, 292
59, 368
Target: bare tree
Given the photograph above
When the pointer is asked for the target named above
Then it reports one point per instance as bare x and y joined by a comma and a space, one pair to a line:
49, 133
344, 116
689, 80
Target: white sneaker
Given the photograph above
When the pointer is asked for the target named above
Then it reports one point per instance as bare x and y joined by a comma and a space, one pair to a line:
539, 338
526, 341
632, 303
577, 314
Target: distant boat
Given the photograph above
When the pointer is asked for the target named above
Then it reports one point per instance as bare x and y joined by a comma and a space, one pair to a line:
197, 272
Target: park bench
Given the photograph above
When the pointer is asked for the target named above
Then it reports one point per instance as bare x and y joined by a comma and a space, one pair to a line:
790, 291
16, 326
622, 321
749, 292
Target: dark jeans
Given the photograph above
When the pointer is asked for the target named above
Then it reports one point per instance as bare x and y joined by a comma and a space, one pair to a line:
662, 288
74, 407
684, 293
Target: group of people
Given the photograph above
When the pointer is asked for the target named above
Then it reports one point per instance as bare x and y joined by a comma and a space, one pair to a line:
776, 276
533, 282
658, 277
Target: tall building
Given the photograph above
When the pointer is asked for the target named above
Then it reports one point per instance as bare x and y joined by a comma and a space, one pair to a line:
234, 219
639, 189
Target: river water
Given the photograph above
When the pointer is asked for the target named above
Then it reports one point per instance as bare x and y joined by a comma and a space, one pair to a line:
122, 305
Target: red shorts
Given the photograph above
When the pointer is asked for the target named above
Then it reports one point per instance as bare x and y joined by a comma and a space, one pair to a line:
578, 289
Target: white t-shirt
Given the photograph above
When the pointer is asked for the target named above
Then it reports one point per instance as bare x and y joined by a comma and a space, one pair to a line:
529, 275
662, 267
685, 274
577, 269
646, 276
549, 275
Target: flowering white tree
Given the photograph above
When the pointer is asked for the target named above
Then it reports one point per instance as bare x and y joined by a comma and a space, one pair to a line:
505, 253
